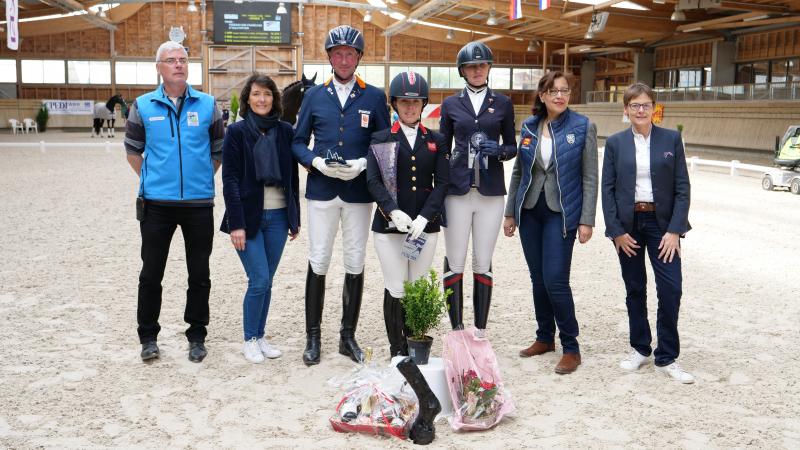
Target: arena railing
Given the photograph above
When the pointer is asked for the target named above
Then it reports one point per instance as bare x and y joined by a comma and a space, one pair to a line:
43, 146
779, 90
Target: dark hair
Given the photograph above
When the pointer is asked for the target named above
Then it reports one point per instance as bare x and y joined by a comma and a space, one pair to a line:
263, 81
635, 90
545, 83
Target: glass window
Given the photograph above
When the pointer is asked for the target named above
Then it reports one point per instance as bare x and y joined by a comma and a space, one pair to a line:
778, 73
526, 79
394, 70
42, 71
320, 70
793, 70
500, 78
440, 78
707, 76
89, 72
760, 72
8, 71
456, 81
195, 74
137, 72
689, 77
374, 75
744, 74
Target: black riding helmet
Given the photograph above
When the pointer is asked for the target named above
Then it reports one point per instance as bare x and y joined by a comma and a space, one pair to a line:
408, 85
347, 36
474, 53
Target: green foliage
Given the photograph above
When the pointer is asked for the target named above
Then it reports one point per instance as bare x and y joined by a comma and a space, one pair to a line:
680, 128
234, 107
424, 304
42, 117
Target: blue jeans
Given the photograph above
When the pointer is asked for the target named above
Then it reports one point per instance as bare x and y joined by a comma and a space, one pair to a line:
668, 290
260, 259
549, 257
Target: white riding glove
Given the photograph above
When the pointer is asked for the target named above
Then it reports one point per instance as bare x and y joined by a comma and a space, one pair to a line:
401, 220
356, 167
325, 169
417, 227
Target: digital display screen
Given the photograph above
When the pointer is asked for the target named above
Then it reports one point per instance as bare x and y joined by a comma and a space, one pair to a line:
251, 23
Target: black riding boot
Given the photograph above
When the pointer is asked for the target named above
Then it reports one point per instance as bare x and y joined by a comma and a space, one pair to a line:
482, 297
455, 301
315, 298
422, 431
351, 305
393, 317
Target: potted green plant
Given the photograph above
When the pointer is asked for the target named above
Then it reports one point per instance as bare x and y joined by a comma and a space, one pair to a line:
42, 116
424, 303
680, 128
234, 107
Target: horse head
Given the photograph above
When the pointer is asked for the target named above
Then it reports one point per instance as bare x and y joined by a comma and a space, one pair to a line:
292, 97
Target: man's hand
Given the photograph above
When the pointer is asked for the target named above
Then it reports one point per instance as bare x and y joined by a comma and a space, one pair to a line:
356, 167
238, 238
509, 226
626, 243
584, 233
325, 169
670, 245
401, 220
417, 227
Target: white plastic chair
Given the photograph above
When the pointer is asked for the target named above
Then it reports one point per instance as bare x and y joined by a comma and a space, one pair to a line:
30, 124
16, 125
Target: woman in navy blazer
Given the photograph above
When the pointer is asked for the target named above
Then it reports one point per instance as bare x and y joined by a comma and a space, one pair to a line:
645, 192
260, 184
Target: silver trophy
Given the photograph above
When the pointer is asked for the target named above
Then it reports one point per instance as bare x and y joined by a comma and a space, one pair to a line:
475, 142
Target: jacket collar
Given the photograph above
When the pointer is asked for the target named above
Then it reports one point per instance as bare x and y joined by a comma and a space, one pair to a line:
361, 83
396, 128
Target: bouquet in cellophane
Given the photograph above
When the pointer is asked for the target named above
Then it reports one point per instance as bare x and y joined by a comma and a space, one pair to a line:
473, 377
376, 401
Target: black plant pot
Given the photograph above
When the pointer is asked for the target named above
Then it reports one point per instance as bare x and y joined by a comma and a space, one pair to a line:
420, 350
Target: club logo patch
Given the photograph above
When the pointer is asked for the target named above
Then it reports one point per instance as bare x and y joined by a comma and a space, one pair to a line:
432, 147
570, 139
526, 142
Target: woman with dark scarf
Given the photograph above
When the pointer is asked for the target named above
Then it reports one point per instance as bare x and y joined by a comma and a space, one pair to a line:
260, 184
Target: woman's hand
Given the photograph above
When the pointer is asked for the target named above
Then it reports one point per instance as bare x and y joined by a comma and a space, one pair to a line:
584, 233
626, 243
293, 236
669, 245
509, 226
238, 238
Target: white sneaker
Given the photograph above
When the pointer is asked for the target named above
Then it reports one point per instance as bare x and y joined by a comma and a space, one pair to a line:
251, 351
674, 370
268, 350
634, 361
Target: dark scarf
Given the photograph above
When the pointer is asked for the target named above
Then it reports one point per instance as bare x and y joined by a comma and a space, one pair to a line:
265, 151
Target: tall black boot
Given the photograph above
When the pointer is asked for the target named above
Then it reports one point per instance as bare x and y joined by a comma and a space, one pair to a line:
422, 431
455, 301
315, 298
482, 297
393, 318
351, 306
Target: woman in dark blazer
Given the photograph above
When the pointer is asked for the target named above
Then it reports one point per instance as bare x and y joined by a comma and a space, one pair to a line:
408, 176
645, 191
260, 184
552, 198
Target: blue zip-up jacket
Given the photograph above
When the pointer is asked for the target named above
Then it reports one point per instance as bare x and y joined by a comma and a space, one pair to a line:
568, 133
177, 163
346, 131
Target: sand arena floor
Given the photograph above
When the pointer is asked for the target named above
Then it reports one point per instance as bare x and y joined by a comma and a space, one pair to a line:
70, 375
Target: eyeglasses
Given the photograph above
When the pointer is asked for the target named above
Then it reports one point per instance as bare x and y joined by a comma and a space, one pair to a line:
640, 106
555, 92
173, 61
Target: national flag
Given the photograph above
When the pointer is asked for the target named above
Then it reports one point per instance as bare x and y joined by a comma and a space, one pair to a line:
544, 4
514, 9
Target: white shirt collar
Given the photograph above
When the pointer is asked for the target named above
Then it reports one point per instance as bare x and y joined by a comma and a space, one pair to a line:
346, 86
410, 133
641, 136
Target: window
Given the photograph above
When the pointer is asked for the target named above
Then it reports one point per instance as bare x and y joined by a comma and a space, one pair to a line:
373, 75
778, 71
690, 77
500, 78
793, 70
526, 79
322, 71
195, 74
136, 72
760, 72
89, 72
8, 71
707, 76
440, 78
42, 71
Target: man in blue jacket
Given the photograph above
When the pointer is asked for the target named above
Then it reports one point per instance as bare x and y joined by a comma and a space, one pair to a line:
173, 139
342, 114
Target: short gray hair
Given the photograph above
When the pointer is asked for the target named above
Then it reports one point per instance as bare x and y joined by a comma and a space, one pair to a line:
169, 46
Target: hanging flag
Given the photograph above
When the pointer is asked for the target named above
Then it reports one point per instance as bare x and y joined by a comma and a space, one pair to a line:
514, 9
544, 4
12, 24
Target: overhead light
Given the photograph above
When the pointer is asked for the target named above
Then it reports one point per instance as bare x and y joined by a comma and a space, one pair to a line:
281, 8
584, 49
391, 2
750, 19
588, 35
101, 12
451, 35
659, 2
693, 29
238, 1
368, 16
533, 45
192, 8
492, 20
634, 41
677, 15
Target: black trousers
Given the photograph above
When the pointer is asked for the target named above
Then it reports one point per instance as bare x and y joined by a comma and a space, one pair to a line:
157, 228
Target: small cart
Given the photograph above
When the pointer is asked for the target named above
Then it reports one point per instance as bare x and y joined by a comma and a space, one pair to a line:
787, 160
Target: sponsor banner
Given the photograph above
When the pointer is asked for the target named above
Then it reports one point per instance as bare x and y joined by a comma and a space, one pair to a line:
12, 24
70, 107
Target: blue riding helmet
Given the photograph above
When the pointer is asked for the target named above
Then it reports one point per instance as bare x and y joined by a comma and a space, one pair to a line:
474, 53
345, 35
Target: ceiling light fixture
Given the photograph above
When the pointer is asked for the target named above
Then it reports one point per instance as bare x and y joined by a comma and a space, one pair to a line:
533, 45
281, 8
677, 15
750, 19
659, 2
368, 16
101, 12
693, 29
588, 35
492, 20
634, 41
391, 2
451, 35
192, 8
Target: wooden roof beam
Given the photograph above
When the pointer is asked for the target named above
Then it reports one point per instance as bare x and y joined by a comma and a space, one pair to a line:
754, 23
590, 9
705, 23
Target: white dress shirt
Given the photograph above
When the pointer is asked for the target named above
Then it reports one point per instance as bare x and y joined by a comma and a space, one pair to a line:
644, 185
410, 133
343, 90
546, 150
476, 98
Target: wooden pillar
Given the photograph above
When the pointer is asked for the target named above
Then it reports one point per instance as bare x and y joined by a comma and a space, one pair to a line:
204, 46
566, 58
545, 56
299, 49
113, 59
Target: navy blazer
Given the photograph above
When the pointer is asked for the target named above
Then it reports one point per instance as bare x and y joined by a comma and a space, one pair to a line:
344, 131
243, 193
496, 119
422, 178
668, 174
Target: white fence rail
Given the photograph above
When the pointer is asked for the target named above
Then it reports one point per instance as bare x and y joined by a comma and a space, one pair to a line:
43, 145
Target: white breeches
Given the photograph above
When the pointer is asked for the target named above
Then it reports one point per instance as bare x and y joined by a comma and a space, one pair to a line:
396, 267
482, 216
324, 217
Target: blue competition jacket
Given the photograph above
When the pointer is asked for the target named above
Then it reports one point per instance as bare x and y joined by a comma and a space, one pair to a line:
496, 119
177, 154
345, 131
569, 134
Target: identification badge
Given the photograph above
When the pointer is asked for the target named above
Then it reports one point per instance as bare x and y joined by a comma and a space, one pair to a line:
364, 120
156, 118
192, 119
431, 146
413, 247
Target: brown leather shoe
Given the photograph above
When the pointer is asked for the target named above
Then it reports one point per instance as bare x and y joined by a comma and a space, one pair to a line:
537, 348
569, 363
